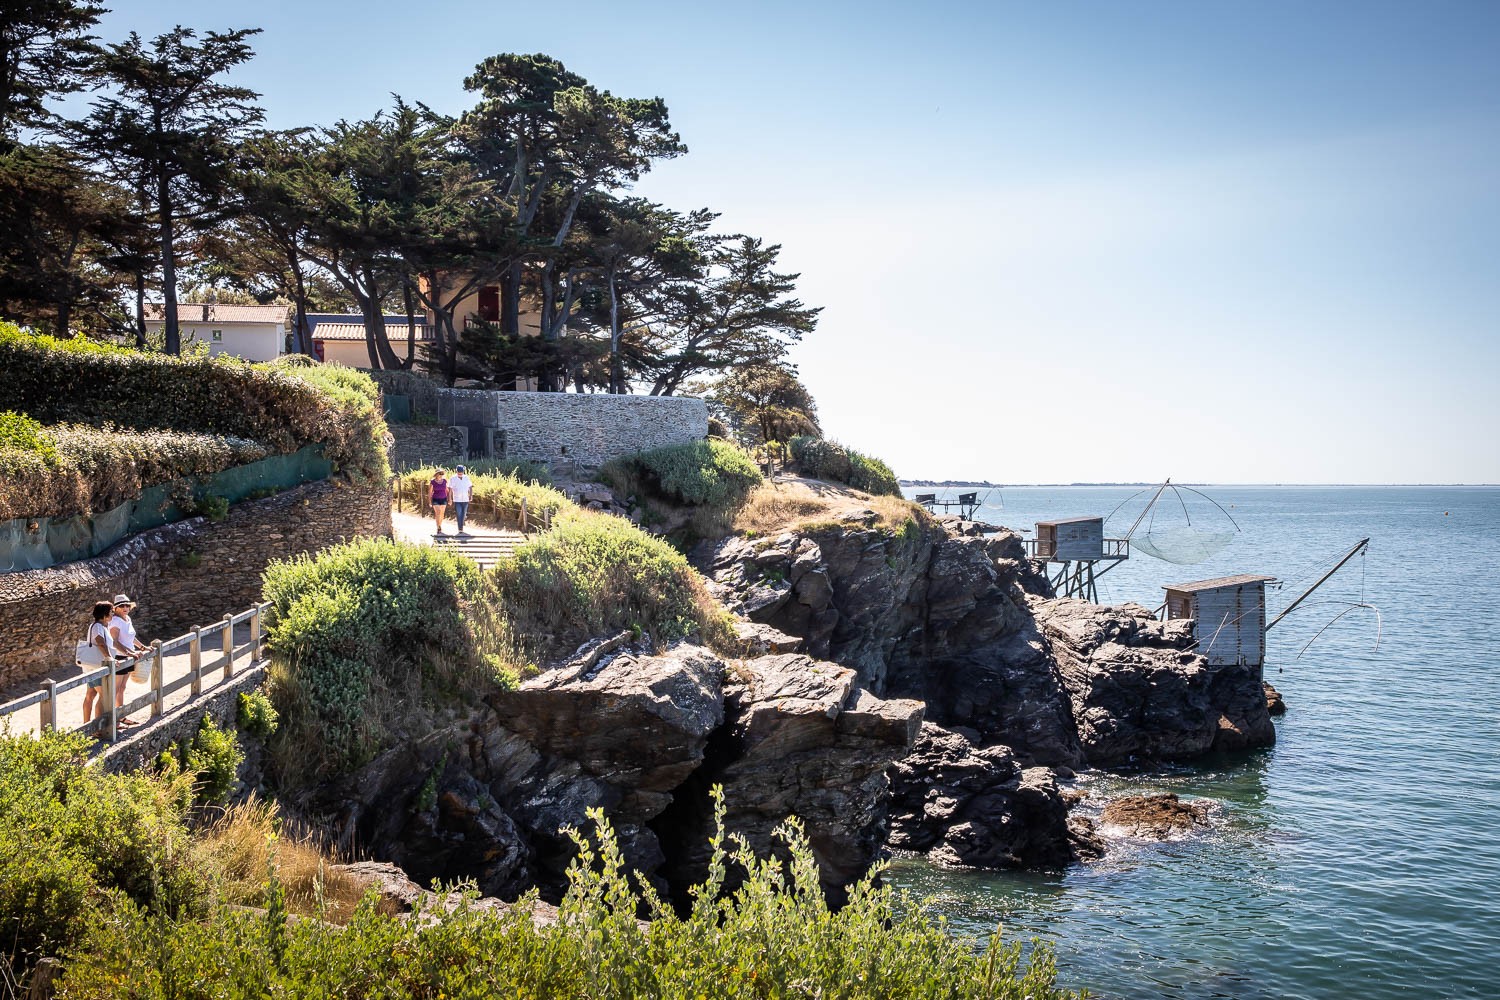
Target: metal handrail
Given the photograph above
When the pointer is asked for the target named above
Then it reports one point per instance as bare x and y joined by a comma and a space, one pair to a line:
46, 696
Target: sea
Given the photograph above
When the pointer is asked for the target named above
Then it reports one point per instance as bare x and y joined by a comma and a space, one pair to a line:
1360, 857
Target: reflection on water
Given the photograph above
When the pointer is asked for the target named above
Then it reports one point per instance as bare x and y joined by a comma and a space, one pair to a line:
1356, 859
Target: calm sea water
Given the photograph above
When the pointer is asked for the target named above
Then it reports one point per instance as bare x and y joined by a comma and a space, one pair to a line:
1360, 857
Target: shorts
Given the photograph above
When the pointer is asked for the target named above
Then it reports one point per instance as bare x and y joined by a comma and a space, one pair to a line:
122, 671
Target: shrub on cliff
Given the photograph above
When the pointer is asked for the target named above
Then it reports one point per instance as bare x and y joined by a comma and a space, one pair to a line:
775, 937
712, 473
828, 460
366, 637
596, 574
75, 838
80, 381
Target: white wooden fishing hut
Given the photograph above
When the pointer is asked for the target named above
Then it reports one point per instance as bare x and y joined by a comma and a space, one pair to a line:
1077, 544
1229, 617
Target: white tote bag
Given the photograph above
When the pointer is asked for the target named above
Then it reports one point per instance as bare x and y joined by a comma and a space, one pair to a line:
87, 655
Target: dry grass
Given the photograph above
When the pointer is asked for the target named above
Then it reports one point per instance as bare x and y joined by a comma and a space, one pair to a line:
792, 503
238, 851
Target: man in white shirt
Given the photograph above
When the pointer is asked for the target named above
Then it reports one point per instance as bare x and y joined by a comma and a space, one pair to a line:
460, 492
125, 646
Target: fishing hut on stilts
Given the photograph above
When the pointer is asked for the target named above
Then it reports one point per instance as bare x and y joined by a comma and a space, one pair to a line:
1229, 613
967, 503
1073, 548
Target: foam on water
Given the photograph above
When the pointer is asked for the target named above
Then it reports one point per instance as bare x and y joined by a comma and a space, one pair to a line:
1359, 858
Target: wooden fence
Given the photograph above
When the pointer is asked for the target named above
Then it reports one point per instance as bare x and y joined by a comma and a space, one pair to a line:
209, 648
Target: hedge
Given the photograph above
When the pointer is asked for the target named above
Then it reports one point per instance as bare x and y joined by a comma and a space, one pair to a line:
73, 469
710, 473
497, 496
283, 407
833, 462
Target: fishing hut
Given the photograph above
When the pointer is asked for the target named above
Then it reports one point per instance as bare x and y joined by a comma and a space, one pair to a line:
1229, 617
967, 503
1076, 545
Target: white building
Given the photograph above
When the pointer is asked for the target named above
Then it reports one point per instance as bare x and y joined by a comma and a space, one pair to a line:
255, 333
341, 340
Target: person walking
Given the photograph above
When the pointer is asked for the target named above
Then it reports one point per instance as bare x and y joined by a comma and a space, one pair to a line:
126, 645
461, 491
438, 497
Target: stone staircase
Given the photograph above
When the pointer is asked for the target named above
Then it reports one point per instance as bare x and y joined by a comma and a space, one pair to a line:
485, 549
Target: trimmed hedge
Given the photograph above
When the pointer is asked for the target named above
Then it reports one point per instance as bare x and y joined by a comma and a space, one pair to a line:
712, 473
73, 469
284, 407
830, 461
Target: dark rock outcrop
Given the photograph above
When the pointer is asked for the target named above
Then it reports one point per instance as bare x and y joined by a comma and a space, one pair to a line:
1138, 690
917, 614
1275, 705
977, 807
641, 736
1153, 817
800, 738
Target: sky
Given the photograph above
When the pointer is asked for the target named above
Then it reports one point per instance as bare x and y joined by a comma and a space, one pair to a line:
1054, 242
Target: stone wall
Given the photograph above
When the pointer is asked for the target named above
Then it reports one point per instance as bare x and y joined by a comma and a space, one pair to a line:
416, 445
581, 430
184, 574
137, 748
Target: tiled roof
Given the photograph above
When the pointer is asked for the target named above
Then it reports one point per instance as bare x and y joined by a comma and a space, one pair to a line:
1217, 582
356, 331
204, 312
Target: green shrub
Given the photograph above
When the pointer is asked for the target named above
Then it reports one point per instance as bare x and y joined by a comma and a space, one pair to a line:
213, 506
595, 574
285, 408
835, 463
254, 714
18, 432
213, 759
497, 497
713, 473
775, 937
74, 837
362, 636
523, 469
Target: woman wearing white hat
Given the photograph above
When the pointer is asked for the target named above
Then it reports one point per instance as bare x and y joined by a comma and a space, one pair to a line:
126, 647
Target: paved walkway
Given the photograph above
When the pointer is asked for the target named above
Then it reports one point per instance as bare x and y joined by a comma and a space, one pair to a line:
484, 545
175, 665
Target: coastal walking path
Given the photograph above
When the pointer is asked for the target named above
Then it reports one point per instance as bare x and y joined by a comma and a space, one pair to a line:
485, 545
175, 664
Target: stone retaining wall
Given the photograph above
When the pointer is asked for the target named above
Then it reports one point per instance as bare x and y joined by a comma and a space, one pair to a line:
184, 574
581, 430
137, 749
416, 445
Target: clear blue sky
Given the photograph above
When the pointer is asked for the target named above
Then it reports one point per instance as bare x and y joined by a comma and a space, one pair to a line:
1067, 241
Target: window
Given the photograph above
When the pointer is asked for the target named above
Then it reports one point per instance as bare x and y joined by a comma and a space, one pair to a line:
218, 336
489, 303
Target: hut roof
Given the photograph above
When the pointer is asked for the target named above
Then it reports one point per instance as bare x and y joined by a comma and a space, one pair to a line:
1218, 582
1069, 520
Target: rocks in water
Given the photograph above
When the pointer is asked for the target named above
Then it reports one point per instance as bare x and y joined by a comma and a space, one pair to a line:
1274, 703
1138, 690
1153, 817
977, 807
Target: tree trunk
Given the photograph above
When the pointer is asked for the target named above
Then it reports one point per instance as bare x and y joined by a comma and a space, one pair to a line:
510, 300
381, 355
411, 324
545, 378
140, 310
300, 335
172, 337
616, 374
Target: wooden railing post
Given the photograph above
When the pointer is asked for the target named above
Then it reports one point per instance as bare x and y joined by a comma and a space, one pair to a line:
523, 514
157, 665
195, 661
255, 633
112, 721
49, 707
228, 646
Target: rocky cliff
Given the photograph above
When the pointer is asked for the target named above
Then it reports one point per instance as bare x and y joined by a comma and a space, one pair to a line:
644, 737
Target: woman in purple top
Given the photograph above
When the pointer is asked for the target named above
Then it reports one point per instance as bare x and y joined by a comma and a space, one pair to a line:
438, 497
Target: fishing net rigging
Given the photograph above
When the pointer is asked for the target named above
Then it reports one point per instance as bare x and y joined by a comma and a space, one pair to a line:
1160, 531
